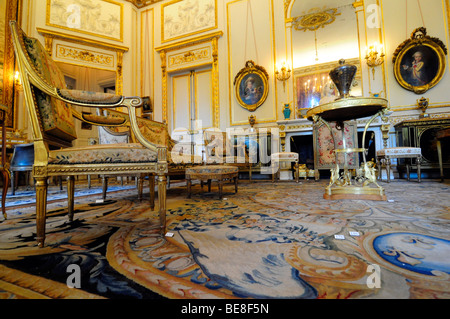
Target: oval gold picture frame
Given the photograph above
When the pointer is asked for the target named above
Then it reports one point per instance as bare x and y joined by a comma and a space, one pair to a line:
419, 62
251, 86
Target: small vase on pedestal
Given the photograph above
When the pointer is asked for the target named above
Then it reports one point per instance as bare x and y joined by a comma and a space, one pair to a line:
287, 111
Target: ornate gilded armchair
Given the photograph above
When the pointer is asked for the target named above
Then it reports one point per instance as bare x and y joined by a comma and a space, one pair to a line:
52, 123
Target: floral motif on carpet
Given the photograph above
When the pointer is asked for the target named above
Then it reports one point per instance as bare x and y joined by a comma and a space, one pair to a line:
267, 241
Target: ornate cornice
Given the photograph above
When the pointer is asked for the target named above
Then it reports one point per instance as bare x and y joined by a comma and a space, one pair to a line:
143, 3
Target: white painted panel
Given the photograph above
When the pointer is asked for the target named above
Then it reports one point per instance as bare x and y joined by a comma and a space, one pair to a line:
204, 98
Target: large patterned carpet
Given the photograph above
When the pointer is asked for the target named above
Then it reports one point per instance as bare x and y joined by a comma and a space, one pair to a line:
278, 240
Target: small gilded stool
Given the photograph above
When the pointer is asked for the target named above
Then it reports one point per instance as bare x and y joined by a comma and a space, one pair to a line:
279, 161
212, 172
386, 154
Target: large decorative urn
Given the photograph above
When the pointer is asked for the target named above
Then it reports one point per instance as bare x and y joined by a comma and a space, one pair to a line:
342, 77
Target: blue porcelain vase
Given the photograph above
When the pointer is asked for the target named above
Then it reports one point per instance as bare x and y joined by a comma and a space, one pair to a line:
287, 111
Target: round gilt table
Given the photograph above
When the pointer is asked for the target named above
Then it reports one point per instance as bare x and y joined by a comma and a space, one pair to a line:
212, 172
342, 185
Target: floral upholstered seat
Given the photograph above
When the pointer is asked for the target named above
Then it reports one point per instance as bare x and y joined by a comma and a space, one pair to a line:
120, 153
386, 154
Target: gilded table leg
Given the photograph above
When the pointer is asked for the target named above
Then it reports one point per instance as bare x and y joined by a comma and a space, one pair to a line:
70, 195
162, 184
41, 208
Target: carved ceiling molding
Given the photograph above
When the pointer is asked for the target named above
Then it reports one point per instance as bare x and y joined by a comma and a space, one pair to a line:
143, 3
315, 19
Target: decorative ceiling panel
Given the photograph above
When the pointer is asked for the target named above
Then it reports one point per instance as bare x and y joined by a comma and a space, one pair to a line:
143, 3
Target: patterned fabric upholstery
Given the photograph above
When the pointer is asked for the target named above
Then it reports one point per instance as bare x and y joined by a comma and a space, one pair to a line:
284, 156
56, 116
90, 97
212, 169
121, 153
400, 151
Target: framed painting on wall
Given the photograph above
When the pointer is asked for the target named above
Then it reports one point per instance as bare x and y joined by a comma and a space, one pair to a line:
419, 62
182, 18
102, 18
251, 86
313, 86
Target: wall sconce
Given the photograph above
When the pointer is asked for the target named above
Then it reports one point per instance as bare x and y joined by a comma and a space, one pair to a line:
283, 74
17, 81
372, 57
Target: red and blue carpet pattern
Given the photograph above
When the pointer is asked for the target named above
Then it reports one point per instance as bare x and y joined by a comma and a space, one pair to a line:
267, 241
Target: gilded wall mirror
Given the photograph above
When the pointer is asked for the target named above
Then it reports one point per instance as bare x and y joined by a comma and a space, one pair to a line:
321, 35
419, 62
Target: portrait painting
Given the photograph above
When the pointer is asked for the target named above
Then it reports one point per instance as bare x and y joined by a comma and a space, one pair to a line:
252, 86
419, 65
419, 62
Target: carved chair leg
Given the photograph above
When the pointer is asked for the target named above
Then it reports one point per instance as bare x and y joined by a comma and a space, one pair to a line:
70, 196
104, 186
151, 180
140, 186
419, 172
220, 181
41, 209
388, 169
162, 183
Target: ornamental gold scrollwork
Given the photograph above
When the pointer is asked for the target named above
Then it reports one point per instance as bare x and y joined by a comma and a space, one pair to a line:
315, 20
84, 55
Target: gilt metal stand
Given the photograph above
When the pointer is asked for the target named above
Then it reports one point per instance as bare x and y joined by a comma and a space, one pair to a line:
342, 185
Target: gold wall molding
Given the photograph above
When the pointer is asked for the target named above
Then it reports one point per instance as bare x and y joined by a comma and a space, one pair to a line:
81, 40
84, 56
187, 57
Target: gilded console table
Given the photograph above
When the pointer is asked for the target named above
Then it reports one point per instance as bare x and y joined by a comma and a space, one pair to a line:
343, 185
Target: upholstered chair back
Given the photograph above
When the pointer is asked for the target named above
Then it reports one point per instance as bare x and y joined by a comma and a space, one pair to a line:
56, 117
